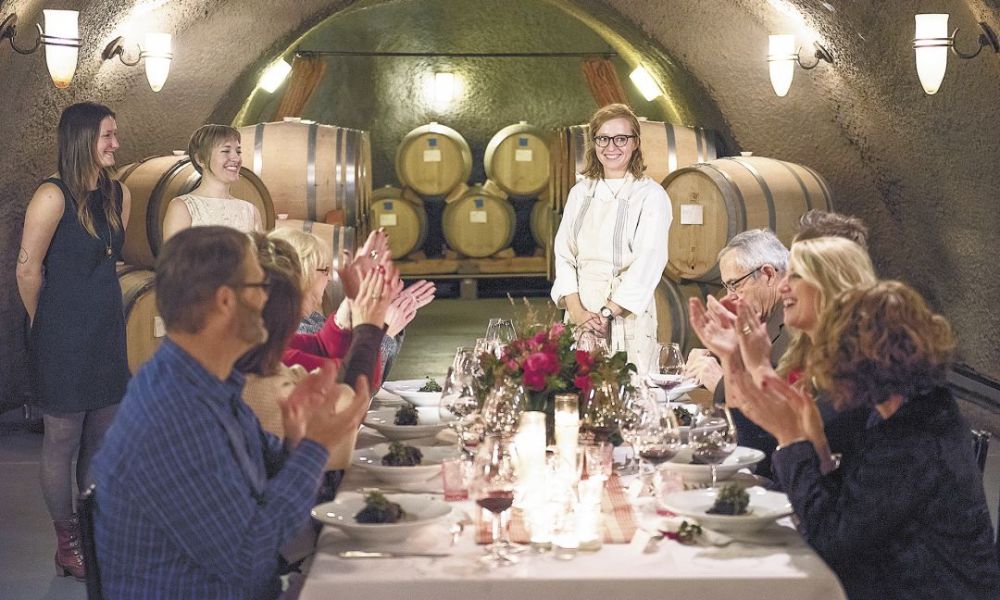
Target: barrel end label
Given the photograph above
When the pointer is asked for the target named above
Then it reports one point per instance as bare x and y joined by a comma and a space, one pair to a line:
692, 214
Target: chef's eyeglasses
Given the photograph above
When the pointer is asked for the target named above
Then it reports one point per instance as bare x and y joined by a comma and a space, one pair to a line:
602, 141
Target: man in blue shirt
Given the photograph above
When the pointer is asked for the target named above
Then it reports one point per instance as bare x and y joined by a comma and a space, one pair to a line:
194, 499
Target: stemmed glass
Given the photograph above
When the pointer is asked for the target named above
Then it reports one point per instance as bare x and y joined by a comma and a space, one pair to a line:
713, 438
492, 487
500, 332
640, 411
458, 406
667, 368
502, 409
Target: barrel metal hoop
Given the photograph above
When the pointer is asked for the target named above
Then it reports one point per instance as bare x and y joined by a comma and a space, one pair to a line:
671, 147
822, 184
768, 196
802, 184
311, 172
129, 301
258, 149
154, 227
349, 199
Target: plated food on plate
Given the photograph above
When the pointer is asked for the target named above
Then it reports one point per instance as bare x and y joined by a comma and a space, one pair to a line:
424, 392
761, 507
349, 512
694, 473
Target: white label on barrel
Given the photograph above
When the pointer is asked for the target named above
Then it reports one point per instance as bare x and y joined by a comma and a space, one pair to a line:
432, 156
522, 155
387, 220
158, 329
477, 216
692, 214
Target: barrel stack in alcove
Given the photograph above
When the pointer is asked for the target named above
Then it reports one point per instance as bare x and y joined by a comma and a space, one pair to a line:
297, 173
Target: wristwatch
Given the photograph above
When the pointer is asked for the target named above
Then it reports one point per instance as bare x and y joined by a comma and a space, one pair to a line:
606, 313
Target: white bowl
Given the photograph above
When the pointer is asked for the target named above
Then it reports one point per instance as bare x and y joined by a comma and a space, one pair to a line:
409, 390
420, 511
765, 507
428, 424
742, 457
370, 459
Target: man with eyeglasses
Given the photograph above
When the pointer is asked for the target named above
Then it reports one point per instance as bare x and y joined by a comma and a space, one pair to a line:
193, 498
751, 267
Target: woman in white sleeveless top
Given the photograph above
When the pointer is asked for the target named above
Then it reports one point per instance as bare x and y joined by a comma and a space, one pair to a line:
611, 246
215, 153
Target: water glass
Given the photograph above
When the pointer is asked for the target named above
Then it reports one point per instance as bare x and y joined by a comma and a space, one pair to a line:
455, 476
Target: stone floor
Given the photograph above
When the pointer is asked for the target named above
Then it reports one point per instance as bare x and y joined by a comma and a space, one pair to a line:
26, 538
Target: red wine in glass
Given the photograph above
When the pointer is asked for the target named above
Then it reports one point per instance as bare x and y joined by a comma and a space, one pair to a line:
497, 501
710, 454
658, 455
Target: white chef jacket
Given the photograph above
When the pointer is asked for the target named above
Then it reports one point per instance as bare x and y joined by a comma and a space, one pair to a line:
612, 244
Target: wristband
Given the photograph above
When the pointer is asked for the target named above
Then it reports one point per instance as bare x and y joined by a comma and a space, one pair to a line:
787, 444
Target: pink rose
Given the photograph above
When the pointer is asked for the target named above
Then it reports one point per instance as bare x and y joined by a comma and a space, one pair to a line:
534, 380
582, 383
542, 362
584, 362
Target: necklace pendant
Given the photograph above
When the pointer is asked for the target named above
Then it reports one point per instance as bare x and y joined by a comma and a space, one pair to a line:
107, 251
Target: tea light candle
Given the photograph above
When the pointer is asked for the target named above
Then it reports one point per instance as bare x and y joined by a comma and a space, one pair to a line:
530, 444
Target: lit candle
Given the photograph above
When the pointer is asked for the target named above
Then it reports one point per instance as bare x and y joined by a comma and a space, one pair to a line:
567, 422
530, 444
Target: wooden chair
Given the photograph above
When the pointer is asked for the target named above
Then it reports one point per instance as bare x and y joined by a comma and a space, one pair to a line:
980, 446
85, 510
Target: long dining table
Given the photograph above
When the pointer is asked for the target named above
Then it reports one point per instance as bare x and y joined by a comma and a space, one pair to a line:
775, 565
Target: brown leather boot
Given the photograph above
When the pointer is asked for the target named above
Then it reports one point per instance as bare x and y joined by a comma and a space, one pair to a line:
69, 557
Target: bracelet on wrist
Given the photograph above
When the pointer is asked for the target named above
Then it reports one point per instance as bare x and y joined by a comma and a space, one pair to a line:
789, 443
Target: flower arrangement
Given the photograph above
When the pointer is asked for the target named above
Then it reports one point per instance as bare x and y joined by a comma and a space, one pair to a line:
545, 363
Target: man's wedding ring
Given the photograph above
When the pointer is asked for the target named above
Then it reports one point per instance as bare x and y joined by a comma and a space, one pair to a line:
746, 330
373, 254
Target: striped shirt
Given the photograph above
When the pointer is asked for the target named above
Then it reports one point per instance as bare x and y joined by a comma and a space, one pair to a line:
193, 498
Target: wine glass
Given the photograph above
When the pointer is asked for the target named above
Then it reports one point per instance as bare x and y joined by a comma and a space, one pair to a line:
640, 410
667, 370
500, 332
492, 487
502, 409
713, 438
458, 406
588, 341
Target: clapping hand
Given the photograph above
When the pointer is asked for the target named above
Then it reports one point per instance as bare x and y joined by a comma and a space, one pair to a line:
402, 310
754, 341
373, 299
422, 293
323, 410
373, 253
715, 326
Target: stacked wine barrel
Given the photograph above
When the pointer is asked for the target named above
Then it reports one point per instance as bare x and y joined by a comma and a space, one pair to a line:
327, 193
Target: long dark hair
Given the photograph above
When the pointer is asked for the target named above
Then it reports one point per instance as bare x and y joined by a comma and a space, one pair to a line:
79, 129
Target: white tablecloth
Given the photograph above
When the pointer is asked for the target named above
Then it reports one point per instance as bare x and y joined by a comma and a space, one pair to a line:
617, 571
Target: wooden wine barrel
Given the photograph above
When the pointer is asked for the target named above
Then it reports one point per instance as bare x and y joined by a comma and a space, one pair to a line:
714, 201
336, 238
433, 159
311, 169
402, 215
478, 224
517, 159
671, 298
542, 229
143, 326
665, 148
154, 182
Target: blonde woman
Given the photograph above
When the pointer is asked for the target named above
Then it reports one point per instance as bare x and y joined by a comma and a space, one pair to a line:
611, 246
216, 154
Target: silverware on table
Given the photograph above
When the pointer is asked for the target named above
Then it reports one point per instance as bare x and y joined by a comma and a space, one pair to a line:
367, 554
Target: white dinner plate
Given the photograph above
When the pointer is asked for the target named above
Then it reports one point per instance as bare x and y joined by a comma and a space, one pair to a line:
421, 510
382, 420
765, 507
409, 390
370, 459
741, 458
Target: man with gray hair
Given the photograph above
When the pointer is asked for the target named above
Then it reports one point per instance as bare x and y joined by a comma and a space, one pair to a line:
752, 265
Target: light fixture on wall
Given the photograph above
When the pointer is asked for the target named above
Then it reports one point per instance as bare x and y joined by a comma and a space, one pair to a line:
274, 76
645, 83
61, 39
931, 43
444, 87
156, 51
782, 56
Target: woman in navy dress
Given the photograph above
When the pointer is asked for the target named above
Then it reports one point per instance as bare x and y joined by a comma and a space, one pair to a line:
73, 233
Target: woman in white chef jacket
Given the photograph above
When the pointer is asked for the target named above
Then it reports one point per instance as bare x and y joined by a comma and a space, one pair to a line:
611, 246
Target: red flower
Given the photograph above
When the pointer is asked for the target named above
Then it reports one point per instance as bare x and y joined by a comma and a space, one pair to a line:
582, 383
542, 362
584, 362
534, 380
556, 330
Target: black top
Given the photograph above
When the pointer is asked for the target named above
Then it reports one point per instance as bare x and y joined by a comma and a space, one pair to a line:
78, 354
907, 518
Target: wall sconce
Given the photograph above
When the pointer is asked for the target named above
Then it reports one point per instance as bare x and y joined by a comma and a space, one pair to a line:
782, 56
274, 76
156, 51
931, 43
444, 87
61, 39
645, 83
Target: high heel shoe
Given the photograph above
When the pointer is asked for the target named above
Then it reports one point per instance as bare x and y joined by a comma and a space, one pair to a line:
69, 557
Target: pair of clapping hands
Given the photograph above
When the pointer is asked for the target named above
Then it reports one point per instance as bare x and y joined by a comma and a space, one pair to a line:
371, 280
736, 335
322, 410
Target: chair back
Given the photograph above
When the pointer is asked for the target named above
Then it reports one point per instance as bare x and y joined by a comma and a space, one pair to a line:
980, 446
85, 510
